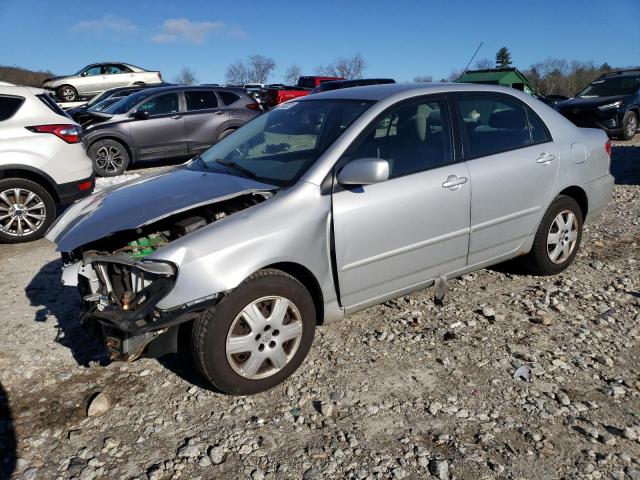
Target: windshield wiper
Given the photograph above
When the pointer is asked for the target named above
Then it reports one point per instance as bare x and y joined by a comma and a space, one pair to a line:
236, 166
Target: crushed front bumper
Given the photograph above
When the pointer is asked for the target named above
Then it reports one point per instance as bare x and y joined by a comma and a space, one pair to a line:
120, 295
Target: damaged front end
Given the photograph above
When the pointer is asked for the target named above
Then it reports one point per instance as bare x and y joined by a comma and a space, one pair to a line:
121, 283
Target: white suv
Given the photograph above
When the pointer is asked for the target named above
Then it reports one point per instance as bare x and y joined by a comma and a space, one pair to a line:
42, 163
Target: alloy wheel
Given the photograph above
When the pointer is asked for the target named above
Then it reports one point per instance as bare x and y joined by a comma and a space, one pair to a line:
264, 337
22, 212
109, 158
632, 126
68, 94
562, 237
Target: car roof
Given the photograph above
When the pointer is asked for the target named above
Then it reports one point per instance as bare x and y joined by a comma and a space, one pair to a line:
382, 91
179, 88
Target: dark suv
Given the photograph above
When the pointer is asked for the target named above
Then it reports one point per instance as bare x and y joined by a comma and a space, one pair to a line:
611, 102
164, 123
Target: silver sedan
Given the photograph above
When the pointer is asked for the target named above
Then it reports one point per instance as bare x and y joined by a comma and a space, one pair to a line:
325, 206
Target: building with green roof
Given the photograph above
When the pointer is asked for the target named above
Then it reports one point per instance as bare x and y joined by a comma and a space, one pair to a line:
505, 77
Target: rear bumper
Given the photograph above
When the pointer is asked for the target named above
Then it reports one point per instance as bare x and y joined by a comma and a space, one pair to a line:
599, 193
72, 191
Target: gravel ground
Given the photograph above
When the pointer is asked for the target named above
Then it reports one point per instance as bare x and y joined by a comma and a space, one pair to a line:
402, 390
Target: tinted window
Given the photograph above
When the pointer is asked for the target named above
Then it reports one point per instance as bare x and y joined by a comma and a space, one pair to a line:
201, 99
9, 106
306, 82
412, 138
162, 104
493, 124
611, 86
228, 98
539, 133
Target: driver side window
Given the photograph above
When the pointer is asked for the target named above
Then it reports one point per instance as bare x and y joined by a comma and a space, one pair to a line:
161, 105
411, 137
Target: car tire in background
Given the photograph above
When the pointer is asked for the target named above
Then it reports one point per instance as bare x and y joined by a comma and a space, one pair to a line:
558, 238
26, 210
629, 125
255, 336
139, 84
67, 93
109, 158
226, 133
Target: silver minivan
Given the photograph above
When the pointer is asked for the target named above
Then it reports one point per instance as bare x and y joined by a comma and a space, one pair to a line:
322, 207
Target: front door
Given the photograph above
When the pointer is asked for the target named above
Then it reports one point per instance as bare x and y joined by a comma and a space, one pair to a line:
401, 233
93, 80
162, 135
513, 163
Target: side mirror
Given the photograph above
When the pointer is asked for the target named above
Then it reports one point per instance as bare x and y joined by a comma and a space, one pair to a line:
364, 171
141, 114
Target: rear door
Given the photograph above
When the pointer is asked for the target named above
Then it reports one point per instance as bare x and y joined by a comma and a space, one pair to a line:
204, 119
162, 135
513, 162
399, 234
118, 75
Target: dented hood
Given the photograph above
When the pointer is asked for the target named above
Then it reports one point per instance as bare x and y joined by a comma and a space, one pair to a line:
144, 200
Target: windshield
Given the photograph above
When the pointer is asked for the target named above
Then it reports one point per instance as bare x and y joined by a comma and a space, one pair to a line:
610, 87
98, 98
127, 103
279, 146
100, 106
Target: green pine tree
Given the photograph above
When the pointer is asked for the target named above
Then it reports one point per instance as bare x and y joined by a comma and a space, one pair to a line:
503, 58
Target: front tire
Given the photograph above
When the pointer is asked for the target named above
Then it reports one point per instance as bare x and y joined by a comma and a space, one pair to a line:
26, 210
558, 238
257, 335
629, 125
109, 157
67, 93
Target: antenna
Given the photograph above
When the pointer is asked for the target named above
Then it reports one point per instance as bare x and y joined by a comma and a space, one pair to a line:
471, 59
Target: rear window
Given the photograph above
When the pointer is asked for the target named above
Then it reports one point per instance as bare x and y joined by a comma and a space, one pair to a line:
307, 82
9, 105
53, 106
201, 100
228, 98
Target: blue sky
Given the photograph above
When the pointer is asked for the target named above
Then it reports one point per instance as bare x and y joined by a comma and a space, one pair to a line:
398, 38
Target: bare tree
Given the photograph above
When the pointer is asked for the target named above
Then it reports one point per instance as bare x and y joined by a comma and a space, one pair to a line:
454, 76
423, 78
292, 74
483, 64
260, 67
346, 67
255, 70
186, 77
237, 73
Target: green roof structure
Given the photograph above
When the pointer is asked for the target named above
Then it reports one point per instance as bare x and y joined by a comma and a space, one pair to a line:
506, 77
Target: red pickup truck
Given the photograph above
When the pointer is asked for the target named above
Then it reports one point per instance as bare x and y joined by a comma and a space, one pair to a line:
276, 94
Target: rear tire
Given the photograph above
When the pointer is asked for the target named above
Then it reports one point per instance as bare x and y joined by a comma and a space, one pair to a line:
272, 342
109, 157
558, 238
629, 125
226, 133
66, 93
26, 210
139, 84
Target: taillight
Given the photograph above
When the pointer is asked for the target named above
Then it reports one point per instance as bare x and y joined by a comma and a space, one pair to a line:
68, 133
82, 186
607, 147
253, 106
159, 76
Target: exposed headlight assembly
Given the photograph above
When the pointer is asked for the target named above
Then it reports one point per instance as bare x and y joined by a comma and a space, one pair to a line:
610, 106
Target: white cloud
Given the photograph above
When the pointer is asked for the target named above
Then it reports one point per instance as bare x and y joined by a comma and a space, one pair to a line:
107, 24
182, 29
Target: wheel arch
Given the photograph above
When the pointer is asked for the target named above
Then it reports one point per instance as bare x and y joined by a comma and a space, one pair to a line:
26, 173
308, 280
580, 196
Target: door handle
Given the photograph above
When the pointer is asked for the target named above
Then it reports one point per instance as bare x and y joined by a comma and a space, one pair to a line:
545, 158
176, 117
453, 182
219, 112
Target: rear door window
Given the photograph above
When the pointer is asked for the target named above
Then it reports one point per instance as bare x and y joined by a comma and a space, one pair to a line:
9, 105
228, 97
493, 124
200, 100
539, 132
